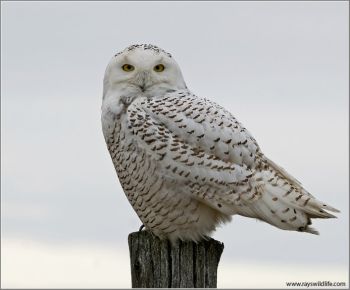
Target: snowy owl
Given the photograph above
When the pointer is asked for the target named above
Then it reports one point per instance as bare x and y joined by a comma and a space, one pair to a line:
184, 162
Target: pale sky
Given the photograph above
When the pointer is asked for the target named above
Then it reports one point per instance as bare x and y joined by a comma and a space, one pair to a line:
281, 68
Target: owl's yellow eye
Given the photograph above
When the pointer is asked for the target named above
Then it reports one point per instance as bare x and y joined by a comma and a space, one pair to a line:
159, 68
128, 67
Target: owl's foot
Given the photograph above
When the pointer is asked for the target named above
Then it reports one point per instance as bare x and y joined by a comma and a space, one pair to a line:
141, 227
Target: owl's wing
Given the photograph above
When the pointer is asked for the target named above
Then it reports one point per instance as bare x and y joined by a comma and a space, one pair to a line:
207, 153
198, 143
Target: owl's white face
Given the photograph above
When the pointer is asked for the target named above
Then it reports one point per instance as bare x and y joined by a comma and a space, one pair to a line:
142, 70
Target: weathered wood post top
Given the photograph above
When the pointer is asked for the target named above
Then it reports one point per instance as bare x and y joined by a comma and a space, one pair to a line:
158, 264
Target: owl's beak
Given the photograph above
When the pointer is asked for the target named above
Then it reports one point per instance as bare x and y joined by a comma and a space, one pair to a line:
142, 80
142, 87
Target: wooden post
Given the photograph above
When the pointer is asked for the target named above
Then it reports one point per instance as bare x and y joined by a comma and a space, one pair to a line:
158, 264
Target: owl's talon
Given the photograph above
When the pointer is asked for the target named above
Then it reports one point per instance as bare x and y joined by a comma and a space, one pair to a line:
141, 227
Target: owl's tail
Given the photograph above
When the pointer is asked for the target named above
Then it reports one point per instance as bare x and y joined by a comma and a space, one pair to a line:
284, 203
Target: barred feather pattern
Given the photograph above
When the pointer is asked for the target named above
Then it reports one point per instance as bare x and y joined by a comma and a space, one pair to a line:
186, 165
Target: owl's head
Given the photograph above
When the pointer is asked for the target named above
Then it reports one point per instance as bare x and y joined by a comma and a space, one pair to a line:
143, 69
